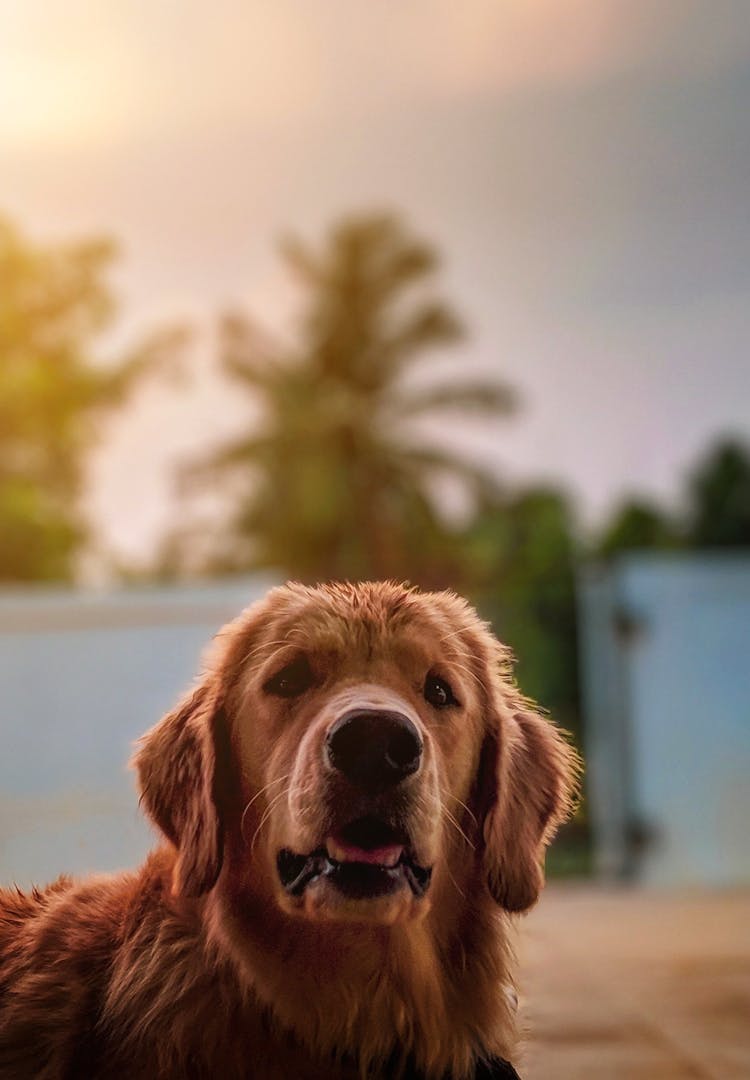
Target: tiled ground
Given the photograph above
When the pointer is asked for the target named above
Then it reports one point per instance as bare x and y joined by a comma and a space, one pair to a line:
633, 985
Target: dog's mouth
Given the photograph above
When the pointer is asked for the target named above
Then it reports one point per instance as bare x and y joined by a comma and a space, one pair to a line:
367, 858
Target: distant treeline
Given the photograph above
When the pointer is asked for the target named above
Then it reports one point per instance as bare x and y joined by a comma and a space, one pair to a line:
336, 479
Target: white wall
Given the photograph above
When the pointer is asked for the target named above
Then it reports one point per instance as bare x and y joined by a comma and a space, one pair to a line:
82, 675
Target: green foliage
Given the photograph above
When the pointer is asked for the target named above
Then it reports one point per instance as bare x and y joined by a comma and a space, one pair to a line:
335, 482
522, 554
719, 498
639, 524
717, 510
54, 301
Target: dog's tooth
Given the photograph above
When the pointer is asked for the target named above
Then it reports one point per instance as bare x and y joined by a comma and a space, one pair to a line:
335, 851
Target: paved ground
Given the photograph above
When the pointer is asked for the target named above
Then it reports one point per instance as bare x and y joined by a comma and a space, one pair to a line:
631, 985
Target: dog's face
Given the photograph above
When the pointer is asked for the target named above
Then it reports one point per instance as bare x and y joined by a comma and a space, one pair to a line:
363, 728
374, 750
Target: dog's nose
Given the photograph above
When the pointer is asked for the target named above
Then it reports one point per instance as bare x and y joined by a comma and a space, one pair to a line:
374, 749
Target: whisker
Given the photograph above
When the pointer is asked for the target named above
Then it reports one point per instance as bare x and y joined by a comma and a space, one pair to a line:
257, 795
468, 672
262, 646
466, 808
456, 886
462, 654
277, 798
303, 806
456, 826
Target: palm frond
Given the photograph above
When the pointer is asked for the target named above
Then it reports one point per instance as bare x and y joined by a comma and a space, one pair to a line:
430, 460
161, 355
302, 262
248, 352
240, 454
431, 326
492, 399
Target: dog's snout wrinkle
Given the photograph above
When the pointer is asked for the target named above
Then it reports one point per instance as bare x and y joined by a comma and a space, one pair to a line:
374, 749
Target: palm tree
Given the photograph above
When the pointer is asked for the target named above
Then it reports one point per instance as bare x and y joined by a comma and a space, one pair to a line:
336, 483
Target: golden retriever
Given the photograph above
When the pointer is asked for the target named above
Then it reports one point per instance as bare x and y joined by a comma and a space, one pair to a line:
352, 801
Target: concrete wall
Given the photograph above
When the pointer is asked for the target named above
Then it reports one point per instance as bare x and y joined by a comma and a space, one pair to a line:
666, 665
82, 675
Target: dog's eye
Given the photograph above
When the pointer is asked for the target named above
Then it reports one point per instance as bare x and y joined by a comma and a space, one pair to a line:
292, 680
438, 692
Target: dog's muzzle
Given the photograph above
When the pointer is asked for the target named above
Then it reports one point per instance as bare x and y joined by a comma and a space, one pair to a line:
365, 860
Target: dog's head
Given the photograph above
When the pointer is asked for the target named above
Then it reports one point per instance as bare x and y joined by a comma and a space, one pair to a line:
351, 750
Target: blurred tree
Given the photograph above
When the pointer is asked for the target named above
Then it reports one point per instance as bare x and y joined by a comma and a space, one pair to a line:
53, 303
335, 482
638, 524
719, 498
717, 514
522, 550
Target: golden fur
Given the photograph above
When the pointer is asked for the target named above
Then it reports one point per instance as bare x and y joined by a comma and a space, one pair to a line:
201, 965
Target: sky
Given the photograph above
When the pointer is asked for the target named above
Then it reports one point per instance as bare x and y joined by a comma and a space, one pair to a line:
583, 166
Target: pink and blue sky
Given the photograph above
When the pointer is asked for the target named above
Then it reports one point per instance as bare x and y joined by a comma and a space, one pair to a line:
583, 165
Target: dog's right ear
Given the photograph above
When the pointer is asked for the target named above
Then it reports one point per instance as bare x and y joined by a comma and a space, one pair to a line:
176, 766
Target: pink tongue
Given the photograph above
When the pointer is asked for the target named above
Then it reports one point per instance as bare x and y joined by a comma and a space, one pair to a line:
383, 856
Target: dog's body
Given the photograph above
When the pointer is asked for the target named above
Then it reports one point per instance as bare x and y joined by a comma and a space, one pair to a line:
353, 799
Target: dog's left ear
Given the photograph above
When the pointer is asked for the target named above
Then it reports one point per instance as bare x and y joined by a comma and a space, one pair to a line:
176, 766
528, 784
